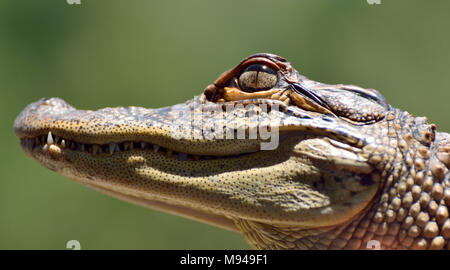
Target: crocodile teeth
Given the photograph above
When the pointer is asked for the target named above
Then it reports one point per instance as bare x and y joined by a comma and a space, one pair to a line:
80, 147
49, 138
112, 146
155, 148
143, 145
55, 145
54, 149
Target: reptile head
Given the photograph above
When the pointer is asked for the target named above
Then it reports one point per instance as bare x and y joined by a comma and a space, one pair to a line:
205, 158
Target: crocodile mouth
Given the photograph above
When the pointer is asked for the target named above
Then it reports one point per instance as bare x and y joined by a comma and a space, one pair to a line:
55, 145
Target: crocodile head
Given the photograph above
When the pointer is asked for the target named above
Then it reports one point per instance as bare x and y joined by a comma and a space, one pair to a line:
264, 150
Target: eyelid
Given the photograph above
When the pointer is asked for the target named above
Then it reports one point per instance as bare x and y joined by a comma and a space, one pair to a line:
261, 61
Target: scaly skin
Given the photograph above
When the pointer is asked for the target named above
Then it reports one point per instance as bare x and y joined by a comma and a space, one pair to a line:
348, 169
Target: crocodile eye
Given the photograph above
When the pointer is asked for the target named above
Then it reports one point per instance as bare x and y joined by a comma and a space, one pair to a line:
257, 77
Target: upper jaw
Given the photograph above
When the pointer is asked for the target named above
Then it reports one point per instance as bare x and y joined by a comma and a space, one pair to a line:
187, 128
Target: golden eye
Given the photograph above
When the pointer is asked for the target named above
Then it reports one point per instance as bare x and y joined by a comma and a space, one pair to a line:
257, 77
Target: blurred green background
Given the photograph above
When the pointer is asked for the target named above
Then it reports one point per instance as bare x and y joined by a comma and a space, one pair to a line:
157, 53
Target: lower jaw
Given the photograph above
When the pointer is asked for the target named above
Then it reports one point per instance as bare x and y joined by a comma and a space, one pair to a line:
178, 210
56, 159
